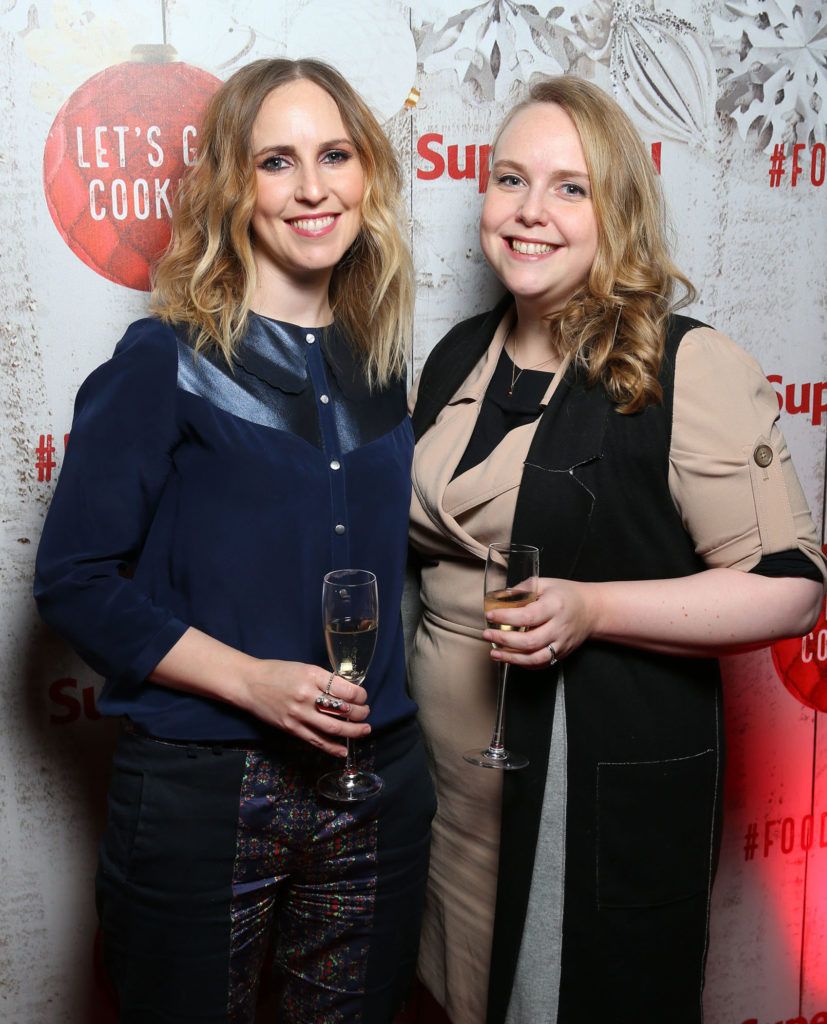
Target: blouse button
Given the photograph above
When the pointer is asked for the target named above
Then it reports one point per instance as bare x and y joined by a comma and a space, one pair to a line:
310, 338
324, 399
335, 464
763, 455
339, 528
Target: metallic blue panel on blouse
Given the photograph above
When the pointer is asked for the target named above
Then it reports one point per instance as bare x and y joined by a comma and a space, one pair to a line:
270, 358
273, 356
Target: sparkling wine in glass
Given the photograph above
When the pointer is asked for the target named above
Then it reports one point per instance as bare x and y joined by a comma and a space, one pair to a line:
511, 581
350, 614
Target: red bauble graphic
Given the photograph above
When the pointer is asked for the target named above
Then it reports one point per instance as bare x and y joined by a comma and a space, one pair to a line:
801, 663
114, 156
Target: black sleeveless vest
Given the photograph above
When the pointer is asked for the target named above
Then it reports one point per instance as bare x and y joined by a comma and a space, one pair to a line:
644, 730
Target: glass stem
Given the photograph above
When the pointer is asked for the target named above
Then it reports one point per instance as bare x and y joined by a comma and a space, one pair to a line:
350, 760
497, 747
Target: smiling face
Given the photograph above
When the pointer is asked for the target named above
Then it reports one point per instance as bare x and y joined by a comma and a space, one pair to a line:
538, 228
310, 185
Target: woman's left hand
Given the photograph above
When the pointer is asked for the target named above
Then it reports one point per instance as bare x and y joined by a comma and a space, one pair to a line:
563, 616
714, 612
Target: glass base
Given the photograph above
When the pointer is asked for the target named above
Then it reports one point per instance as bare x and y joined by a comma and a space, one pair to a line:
349, 788
504, 760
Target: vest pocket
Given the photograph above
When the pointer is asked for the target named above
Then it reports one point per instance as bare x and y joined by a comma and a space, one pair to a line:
655, 822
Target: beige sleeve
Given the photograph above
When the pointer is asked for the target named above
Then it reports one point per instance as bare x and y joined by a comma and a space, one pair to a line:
731, 475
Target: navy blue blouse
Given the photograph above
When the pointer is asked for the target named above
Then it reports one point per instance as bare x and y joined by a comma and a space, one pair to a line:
193, 494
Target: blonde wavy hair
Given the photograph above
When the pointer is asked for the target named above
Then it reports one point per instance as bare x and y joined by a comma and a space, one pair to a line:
207, 276
615, 324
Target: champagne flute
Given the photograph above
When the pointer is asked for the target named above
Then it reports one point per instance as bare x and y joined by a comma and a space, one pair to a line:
350, 613
511, 581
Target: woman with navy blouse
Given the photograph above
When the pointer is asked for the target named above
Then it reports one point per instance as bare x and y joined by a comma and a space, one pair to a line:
257, 428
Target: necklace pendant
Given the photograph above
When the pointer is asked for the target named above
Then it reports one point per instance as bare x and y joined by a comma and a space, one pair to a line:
510, 392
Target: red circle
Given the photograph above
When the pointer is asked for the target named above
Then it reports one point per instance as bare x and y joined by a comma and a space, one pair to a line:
131, 117
801, 664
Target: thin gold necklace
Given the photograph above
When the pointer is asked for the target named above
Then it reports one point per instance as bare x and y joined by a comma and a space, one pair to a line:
515, 373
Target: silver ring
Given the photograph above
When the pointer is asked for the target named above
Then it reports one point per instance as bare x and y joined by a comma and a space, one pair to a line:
553, 654
331, 706
330, 679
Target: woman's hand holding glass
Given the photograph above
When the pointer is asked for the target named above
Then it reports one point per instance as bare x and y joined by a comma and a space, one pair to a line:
562, 617
284, 694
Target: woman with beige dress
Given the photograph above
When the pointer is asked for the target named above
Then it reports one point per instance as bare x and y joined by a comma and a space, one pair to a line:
639, 451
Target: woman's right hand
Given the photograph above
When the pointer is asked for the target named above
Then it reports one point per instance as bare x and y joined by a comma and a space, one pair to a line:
280, 693
283, 693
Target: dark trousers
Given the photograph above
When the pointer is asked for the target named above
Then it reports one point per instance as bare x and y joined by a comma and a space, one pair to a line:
220, 866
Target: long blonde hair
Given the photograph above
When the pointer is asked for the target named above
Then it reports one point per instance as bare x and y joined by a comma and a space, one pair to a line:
615, 324
207, 276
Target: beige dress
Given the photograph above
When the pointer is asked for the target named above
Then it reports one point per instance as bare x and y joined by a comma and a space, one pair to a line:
734, 510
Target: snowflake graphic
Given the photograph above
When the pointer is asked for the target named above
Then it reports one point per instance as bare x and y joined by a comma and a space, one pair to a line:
773, 69
494, 47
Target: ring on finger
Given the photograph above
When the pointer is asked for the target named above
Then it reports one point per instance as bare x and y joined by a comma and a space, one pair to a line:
332, 706
553, 654
330, 679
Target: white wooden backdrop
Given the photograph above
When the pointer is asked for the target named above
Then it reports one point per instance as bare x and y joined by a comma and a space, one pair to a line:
730, 93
